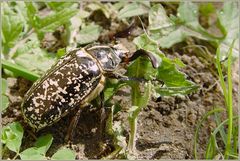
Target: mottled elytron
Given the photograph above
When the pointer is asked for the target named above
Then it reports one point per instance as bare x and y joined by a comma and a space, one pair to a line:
71, 83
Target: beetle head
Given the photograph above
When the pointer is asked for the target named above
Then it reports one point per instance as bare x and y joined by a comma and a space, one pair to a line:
121, 51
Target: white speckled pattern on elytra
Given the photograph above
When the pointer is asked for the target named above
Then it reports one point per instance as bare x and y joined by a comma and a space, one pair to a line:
61, 90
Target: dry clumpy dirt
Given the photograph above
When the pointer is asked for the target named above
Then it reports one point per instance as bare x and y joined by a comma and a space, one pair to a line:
165, 128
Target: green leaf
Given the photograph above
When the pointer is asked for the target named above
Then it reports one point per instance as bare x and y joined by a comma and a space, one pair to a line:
167, 72
19, 70
52, 21
118, 5
176, 29
111, 89
172, 77
146, 43
173, 91
4, 86
5, 103
178, 62
206, 9
228, 19
162, 29
64, 154
133, 9
99, 6
31, 57
12, 136
12, 27
38, 61
32, 154
33, 19
28, 47
38, 152
43, 143
61, 52
88, 34
188, 14
58, 6
172, 38
5, 100
159, 21
142, 68
21, 10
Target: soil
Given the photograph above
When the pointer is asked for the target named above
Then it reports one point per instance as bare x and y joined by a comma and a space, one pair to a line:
166, 126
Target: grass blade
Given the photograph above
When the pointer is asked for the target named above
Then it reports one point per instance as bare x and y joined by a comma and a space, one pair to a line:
199, 125
219, 68
19, 71
221, 128
211, 148
230, 110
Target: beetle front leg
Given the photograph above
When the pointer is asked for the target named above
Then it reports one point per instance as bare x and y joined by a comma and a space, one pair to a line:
154, 59
125, 78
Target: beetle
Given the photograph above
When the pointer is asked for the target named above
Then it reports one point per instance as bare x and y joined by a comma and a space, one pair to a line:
74, 81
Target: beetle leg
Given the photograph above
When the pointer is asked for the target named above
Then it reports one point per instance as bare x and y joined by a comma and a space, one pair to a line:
141, 52
125, 78
102, 115
72, 126
74, 122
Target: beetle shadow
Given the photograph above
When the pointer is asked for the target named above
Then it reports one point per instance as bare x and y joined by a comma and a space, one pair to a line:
86, 135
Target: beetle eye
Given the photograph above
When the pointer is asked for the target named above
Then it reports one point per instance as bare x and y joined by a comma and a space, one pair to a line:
120, 50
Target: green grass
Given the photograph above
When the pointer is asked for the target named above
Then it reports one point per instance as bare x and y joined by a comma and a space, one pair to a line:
228, 135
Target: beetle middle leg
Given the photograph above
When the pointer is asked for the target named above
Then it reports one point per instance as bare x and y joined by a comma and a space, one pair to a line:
73, 123
103, 116
72, 126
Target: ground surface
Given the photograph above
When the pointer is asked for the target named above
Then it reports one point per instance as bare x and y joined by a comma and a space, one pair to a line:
165, 128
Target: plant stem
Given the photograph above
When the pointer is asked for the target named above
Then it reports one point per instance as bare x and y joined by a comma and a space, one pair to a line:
132, 137
133, 118
14, 158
